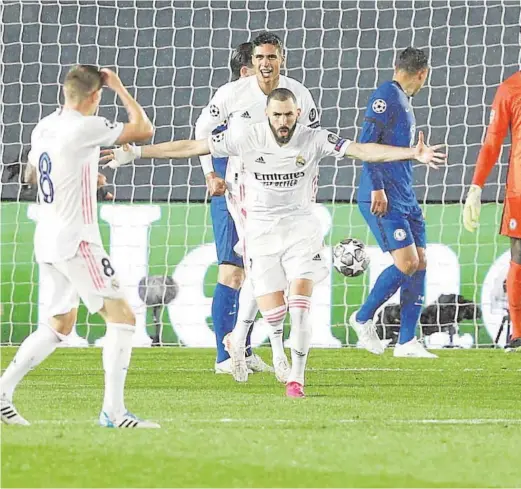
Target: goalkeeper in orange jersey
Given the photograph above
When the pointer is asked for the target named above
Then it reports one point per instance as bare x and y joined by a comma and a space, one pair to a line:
505, 114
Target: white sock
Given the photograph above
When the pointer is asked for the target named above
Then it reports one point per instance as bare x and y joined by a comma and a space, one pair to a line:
275, 318
117, 350
34, 349
300, 336
248, 310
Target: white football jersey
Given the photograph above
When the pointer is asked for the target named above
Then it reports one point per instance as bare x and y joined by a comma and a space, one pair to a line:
242, 103
278, 182
65, 149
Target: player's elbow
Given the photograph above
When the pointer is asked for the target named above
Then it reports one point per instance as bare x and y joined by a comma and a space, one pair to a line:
146, 131
29, 175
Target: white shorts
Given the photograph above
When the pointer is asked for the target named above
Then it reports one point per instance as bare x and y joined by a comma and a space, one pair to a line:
87, 275
273, 273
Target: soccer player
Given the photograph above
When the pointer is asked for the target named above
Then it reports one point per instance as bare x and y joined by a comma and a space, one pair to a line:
388, 203
283, 240
242, 103
72, 262
505, 115
226, 298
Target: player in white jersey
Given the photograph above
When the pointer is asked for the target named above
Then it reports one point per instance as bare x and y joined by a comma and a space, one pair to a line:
64, 154
282, 238
228, 298
242, 103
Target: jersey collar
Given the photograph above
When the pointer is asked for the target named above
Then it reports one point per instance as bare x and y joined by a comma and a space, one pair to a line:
400, 87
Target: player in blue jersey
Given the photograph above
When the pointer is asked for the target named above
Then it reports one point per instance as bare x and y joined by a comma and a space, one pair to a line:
388, 203
230, 278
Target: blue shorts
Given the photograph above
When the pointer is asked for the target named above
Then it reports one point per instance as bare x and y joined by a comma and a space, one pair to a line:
225, 233
397, 229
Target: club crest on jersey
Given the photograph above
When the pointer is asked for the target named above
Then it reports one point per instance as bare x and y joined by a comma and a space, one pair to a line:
312, 115
300, 161
332, 138
400, 234
512, 224
379, 106
214, 111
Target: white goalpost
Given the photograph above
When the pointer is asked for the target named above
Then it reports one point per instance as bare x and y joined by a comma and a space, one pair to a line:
173, 55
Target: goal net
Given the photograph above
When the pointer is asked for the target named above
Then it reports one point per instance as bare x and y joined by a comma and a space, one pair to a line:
173, 55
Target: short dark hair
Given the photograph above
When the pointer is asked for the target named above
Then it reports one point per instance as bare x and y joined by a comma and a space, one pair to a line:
281, 94
81, 81
268, 38
241, 56
412, 60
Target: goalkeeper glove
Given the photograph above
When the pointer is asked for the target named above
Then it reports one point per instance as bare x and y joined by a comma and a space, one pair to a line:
122, 155
472, 208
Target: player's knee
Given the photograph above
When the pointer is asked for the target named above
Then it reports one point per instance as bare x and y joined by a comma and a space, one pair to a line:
128, 316
118, 311
231, 276
64, 323
409, 266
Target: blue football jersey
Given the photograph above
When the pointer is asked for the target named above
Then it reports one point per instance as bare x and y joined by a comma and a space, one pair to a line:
389, 119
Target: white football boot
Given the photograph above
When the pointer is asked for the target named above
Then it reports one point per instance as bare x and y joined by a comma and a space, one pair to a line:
237, 353
282, 369
128, 420
10, 415
367, 335
257, 364
225, 367
412, 349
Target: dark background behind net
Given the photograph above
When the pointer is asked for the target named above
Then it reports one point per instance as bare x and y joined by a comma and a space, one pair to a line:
174, 55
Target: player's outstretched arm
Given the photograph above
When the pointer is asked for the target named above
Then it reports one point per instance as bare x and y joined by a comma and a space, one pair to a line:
381, 153
139, 128
176, 149
171, 150
185, 148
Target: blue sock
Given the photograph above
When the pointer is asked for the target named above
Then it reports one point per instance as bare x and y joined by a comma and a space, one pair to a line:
224, 315
248, 341
388, 282
411, 301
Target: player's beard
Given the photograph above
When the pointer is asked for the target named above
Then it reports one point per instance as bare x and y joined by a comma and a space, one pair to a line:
283, 139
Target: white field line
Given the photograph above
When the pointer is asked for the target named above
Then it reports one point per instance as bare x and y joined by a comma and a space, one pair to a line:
339, 369
259, 422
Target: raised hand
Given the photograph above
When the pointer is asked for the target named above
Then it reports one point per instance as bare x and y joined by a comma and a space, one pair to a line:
429, 154
111, 79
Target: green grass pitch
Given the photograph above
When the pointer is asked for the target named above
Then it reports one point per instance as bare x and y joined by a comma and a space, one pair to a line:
367, 422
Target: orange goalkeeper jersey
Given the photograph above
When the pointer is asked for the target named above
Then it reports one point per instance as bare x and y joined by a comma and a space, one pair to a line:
505, 114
